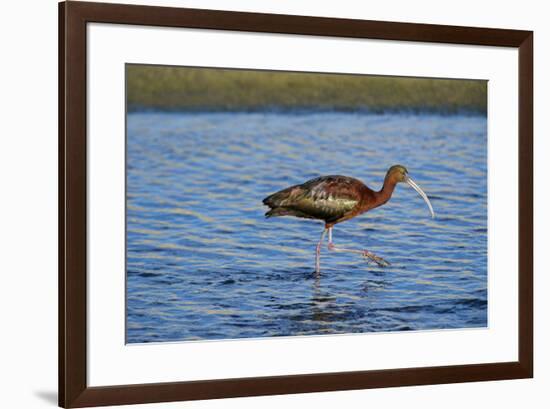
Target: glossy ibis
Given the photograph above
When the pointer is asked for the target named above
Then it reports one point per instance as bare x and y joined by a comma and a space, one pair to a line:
335, 199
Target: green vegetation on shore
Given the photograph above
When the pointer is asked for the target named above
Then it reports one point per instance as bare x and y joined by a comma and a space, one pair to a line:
194, 89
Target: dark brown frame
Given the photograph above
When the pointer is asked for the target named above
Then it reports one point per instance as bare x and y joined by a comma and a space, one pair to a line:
73, 388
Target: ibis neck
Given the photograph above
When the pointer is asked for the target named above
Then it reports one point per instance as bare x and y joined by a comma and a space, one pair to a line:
383, 195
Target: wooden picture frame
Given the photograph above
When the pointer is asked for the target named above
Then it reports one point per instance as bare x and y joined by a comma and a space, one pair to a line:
73, 388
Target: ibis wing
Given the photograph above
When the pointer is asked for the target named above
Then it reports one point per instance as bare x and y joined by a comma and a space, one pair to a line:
328, 197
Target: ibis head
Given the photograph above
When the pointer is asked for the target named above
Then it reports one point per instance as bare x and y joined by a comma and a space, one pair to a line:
400, 174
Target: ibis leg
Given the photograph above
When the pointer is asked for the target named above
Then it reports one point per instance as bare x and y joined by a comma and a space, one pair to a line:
365, 253
318, 253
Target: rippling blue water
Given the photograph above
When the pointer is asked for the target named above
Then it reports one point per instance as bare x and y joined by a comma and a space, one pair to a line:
204, 263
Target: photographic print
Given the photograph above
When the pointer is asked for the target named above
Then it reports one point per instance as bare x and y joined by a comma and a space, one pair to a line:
270, 203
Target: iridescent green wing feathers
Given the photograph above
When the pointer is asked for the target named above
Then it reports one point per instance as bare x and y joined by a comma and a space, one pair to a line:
326, 198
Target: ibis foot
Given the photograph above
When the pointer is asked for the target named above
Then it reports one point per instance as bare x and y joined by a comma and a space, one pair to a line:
365, 253
378, 260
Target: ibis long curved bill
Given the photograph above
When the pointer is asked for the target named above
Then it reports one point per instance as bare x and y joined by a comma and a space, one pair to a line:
412, 184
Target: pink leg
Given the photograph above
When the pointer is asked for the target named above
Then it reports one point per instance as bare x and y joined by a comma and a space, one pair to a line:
365, 253
318, 253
